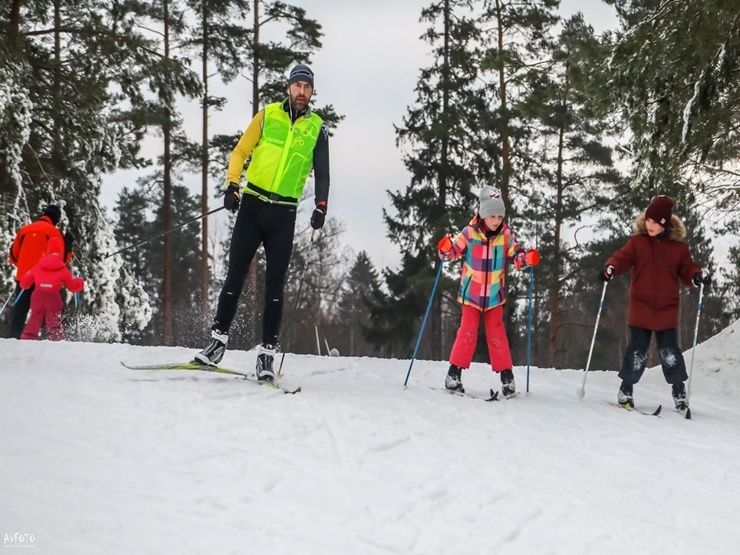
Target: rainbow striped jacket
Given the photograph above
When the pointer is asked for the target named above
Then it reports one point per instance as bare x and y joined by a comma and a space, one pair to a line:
485, 255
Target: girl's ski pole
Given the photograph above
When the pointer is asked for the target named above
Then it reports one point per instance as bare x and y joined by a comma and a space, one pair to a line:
424, 322
529, 322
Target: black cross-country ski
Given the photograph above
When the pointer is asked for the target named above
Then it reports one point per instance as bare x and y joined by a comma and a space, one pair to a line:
208, 368
632, 408
493, 396
686, 413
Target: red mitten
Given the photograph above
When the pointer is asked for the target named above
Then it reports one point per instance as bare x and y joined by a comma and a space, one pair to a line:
445, 245
532, 258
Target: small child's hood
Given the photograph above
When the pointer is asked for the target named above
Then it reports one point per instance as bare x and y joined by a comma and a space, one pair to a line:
55, 246
52, 260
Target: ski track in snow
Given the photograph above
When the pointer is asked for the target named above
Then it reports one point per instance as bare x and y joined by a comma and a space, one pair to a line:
96, 458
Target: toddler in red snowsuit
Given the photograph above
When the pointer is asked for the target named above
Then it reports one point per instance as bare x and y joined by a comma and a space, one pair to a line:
49, 274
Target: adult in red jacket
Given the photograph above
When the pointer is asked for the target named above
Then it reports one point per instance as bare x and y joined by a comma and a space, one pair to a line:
659, 260
48, 276
30, 244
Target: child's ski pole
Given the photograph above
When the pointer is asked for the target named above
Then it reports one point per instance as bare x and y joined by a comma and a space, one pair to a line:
693, 349
424, 322
529, 322
582, 391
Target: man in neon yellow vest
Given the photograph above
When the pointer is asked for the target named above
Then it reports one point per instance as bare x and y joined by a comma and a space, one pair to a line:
286, 140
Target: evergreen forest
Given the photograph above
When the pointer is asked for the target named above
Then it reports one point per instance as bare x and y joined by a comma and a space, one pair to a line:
578, 130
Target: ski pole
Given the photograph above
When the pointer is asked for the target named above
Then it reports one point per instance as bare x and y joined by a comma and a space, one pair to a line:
424, 322
6, 303
529, 322
582, 391
693, 349
295, 307
77, 316
18, 298
200, 217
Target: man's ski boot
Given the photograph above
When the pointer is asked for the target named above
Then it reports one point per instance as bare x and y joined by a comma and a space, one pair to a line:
265, 360
453, 380
624, 397
212, 355
679, 396
508, 385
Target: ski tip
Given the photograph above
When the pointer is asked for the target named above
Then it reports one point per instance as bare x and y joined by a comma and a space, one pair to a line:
657, 411
688, 414
493, 397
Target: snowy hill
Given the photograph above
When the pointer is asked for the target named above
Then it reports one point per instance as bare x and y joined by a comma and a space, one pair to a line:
98, 459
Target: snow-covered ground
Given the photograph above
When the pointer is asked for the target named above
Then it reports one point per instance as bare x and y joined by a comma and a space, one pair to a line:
98, 459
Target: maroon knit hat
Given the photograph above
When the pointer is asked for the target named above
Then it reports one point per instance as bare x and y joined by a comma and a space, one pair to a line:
660, 210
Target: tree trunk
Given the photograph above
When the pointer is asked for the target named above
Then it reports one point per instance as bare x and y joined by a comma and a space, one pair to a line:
253, 296
436, 343
167, 212
57, 138
505, 148
556, 316
204, 273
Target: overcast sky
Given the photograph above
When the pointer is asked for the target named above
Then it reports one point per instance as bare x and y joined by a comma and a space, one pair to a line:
368, 68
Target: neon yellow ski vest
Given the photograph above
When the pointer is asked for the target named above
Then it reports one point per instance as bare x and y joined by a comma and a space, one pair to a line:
283, 157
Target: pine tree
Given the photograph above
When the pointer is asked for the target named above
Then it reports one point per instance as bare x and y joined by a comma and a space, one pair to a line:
76, 63
140, 216
581, 302
132, 226
519, 38
574, 180
353, 316
673, 79
317, 261
446, 162
218, 40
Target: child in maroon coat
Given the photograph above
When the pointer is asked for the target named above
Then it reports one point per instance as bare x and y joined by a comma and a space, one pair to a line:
49, 274
659, 260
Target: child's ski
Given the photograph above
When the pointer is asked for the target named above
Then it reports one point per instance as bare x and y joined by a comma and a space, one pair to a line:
632, 408
493, 396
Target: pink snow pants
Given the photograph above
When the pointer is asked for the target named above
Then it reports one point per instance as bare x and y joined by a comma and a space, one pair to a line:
467, 336
46, 306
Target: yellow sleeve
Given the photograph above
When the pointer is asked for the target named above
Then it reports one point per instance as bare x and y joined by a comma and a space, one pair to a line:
244, 148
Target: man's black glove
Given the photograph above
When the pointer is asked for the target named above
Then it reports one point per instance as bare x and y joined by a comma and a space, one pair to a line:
699, 278
318, 216
69, 240
606, 273
231, 197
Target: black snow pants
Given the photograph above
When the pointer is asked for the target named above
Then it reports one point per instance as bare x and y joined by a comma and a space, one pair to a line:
635, 357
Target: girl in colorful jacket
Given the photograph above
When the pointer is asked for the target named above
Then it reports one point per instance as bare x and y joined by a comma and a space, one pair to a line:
659, 260
486, 245
48, 276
